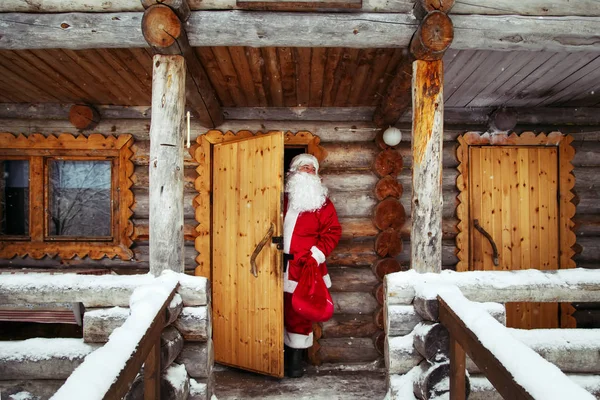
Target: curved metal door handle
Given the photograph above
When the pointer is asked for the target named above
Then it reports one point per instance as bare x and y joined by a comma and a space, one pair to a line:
488, 237
259, 247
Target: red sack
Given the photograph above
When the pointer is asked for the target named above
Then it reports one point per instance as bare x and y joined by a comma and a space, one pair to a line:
311, 299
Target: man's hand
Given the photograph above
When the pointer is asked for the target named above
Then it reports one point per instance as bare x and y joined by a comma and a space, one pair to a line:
307, 261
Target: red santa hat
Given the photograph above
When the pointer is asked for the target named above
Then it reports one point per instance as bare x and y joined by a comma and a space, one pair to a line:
304, 159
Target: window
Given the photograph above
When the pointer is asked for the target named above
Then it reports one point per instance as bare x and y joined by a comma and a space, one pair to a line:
65, 196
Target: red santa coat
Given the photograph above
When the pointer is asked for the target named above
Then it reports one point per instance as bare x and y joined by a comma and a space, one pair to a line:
313, 234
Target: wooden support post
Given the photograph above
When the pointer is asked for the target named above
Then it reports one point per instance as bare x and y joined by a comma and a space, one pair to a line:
165, 33
152, 373
458, 361
166, 164
427, 139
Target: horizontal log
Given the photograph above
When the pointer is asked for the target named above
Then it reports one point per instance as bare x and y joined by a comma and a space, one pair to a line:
569, 285
20, 359
116, 290
300, 113
39, 388
353, 253
489, 7
590, 247
356, 228
352, 279
99, 323
400, 354
402, 319
347, 350
482, 389
194, 324
349, 325
586, 225
432, 341
141, 204
360, 30
198, 358
141, 177
141, 155
353, 303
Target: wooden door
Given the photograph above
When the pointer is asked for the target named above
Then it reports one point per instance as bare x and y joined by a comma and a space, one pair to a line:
514, 197
248, 304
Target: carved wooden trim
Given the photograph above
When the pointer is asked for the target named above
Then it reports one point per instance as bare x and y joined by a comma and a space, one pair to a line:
95, 145
566, 152
202, 154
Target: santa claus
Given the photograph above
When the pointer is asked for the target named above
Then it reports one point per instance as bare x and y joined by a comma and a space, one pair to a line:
311, 230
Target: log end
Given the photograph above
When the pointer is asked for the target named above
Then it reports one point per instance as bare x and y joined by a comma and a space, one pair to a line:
160, 26
433, 37
83, 116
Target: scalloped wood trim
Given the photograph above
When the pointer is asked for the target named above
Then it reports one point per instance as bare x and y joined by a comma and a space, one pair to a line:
68, 145
566, 152
202, 154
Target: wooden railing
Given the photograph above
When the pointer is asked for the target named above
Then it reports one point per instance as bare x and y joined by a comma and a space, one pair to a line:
145, 351
432, 322
464, 339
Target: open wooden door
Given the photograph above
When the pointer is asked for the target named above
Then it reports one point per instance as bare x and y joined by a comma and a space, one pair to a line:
247, 278
514, 208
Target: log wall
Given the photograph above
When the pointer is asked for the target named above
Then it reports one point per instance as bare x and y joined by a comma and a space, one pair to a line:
348, 173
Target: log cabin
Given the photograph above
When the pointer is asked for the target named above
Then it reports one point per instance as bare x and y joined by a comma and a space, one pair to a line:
497, 104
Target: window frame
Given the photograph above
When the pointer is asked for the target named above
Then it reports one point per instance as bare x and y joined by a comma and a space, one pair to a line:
39, 149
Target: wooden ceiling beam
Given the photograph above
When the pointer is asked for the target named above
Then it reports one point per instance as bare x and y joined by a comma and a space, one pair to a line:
482, 7
355, 30
164, 32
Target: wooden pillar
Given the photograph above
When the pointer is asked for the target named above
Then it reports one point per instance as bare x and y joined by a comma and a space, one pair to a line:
166, 164
427, 139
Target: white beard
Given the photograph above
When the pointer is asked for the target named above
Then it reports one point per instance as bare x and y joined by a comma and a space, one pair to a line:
305, 191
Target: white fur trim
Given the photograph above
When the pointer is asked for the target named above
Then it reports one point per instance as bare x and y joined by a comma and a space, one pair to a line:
297, 341
288, 285
327, 280
289, 223
317, 255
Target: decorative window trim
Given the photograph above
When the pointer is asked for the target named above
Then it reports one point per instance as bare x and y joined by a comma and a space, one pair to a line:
93, 146
202, 151
566, 152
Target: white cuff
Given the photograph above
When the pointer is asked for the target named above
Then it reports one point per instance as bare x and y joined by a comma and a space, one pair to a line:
297, 340
327, 281
317, 254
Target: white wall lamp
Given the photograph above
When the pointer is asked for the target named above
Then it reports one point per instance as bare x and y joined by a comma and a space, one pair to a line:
392, 136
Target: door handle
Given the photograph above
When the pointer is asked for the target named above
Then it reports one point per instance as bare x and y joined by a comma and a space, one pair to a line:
488, 237
259, 247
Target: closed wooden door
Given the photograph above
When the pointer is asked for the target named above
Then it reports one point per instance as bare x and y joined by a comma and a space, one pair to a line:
248, 300
514, 198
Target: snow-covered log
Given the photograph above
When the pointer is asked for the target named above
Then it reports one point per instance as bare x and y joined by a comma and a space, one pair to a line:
40, 388
99, 323
434, 381
93, 290
400, 354
198, 390
198, 358
568, 285
402, 319
432, 340
174, 385
194, 324
41, 358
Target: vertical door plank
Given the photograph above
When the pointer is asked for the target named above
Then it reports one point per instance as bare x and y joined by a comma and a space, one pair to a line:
515, 211
495, 228
476, 196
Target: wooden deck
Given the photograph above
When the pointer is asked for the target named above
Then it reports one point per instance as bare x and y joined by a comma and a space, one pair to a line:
316, 384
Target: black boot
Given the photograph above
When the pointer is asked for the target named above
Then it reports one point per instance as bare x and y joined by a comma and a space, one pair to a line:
293, 362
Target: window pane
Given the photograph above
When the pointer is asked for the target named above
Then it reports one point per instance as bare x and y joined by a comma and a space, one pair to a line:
79, 196
14, 197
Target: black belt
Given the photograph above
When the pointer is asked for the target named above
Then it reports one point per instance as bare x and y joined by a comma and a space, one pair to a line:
286, 257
